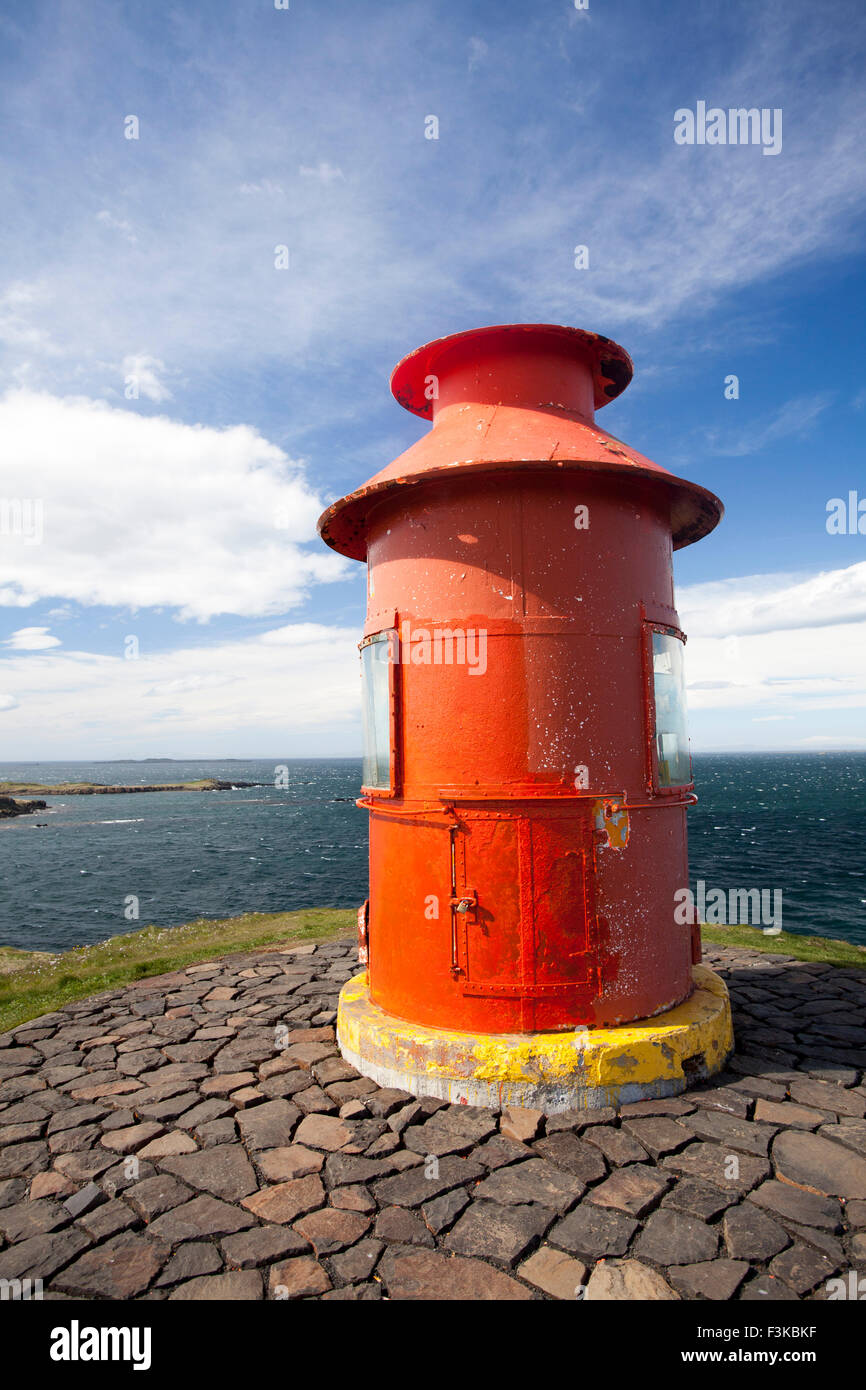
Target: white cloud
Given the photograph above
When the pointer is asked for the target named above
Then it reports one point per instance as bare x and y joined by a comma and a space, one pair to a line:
323, 171
763, 603
141, 371
267, 186
16, 598
232, 697
785, 646
794, 419
672, 230
117, 224
31, 639
146, 512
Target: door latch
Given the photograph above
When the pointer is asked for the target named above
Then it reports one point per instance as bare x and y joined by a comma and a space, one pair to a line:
465, 904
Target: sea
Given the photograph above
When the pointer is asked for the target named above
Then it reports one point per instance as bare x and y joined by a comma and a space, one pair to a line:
778, 822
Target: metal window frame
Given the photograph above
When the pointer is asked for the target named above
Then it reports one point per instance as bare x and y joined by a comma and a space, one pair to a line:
392, 636
653, 784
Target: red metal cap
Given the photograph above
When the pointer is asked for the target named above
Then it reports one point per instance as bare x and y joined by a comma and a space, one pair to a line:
514, 397
532, 364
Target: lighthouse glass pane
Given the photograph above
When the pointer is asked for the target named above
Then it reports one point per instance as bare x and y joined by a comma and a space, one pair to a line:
671, 732
376, 703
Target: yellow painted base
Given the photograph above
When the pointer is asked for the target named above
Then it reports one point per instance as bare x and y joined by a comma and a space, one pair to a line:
584, 1069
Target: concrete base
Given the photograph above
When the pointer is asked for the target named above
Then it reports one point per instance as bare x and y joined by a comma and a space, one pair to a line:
584, 1069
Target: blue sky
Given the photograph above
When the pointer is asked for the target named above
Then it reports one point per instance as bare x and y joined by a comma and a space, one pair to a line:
263, 392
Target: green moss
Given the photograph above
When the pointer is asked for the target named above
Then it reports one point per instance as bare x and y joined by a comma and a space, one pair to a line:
34, 983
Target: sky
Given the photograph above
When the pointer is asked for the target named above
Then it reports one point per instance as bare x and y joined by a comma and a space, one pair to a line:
177, 405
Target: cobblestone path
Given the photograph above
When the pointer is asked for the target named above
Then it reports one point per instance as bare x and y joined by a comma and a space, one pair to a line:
198, 1136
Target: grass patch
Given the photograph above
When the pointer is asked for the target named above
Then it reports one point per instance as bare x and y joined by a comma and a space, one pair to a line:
822, 948
35, 982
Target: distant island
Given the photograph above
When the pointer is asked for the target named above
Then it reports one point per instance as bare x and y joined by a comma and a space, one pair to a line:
10, 790
10, 807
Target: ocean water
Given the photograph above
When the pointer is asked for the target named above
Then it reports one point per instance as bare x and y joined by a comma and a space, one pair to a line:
789, 822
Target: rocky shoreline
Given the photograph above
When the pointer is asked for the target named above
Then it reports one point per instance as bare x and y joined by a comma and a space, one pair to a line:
10, 807
209, 784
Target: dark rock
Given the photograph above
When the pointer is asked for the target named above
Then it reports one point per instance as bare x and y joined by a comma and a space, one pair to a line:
108, 1220
270, 1125
584, 1161
499, 1151
32, 1219
440, 1214
714, 1280
386, 1102
193, 1258
42, 1256
752, 1235
617, 1146
634, 1190
153, 1196
802, 1268
224, 1171
261, 1245
699, 1199
826, 1095
713, 1163
433, 1275
818, 1164
593, 1232
329, 1230
203, 1216
357, 1264
793, 1204
672, 1238
767, 1289
536, 1180
121, 1268
400, 1226
742, 1136
658, 1135
503, 1234
423, 1183
434, 1138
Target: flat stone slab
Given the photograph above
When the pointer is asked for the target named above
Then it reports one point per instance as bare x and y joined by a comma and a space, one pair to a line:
502, 1234
627, 1280
751, 1234
536, 1180
198, 1137
819, 1165
672, 1238
434, 1275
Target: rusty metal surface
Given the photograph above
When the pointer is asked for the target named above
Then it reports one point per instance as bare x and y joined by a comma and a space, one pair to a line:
522, 399
523, 858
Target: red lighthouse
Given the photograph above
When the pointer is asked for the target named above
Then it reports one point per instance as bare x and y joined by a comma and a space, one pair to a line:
526, 768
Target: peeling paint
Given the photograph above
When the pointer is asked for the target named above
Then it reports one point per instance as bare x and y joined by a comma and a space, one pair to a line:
554, 1071
610, 819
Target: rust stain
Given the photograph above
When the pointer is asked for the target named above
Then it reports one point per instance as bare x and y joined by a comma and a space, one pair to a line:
612, 823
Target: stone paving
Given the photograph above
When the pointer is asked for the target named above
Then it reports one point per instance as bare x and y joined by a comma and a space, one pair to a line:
198, 1136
